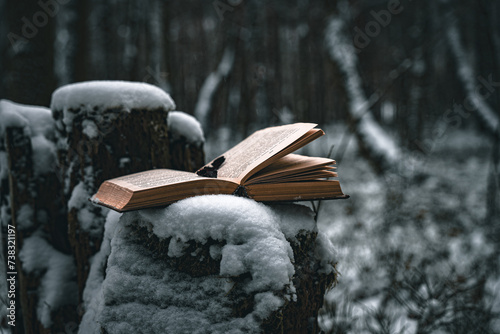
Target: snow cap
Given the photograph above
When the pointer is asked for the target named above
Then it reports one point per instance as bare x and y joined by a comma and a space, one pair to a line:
181, 124
37, 120
111, 94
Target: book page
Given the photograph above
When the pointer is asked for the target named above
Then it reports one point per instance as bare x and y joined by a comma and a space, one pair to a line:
296, 191
153, 178
259, 147
294, 166
294, 162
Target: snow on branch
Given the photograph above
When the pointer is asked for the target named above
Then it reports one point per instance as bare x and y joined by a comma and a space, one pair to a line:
487, 116
380, 145
212, 82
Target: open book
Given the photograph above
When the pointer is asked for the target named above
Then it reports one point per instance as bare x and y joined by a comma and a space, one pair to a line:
260, 167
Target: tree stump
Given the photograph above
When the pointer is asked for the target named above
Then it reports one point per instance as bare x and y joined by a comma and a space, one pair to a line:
186, 141
20, 182
107, 129
210, 264
38, 216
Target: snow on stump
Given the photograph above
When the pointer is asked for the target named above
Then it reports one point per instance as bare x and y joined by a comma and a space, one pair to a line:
186, 141
107, 129
46, 292
209, 264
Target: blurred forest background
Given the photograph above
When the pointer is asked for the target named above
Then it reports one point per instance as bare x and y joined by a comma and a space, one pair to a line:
416, 84
258, 61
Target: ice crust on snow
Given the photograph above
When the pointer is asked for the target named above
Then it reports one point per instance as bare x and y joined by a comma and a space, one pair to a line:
140, 292
111, 94
181, 124
57, 284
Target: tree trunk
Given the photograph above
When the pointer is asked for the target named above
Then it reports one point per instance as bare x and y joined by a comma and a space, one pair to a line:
21, 185
35, 210
105, 142
378, 146
193, 278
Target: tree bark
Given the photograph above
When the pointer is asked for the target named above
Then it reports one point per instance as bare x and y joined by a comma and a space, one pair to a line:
35, 208
21, 187
124, 142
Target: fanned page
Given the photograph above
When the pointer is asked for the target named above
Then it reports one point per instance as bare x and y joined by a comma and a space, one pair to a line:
296, 191
294, 167
257, 151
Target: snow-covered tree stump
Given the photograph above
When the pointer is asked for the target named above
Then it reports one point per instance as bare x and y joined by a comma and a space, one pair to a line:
107, 129
209, 264
36, 212
186, 141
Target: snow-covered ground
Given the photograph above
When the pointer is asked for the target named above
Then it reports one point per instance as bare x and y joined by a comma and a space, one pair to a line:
416, 253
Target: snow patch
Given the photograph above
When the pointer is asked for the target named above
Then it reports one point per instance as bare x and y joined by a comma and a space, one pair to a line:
90, 128
255, 242
123, 162
44, 155
39, 125
38, 119
326, 253
58, 286
78, 196
93, 295
293, 219
181, 124
111, 94
85, 210
25, 217
266, 302
10, 117
5, 211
